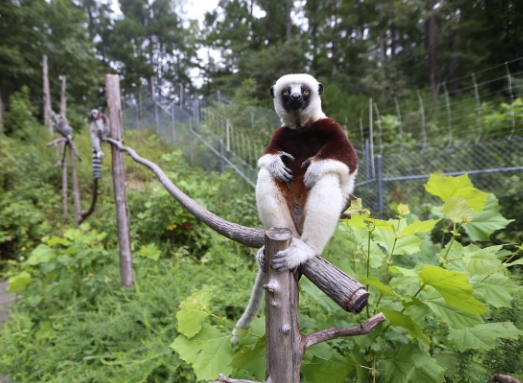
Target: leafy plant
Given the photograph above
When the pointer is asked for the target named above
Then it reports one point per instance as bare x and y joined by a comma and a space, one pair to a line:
440, 299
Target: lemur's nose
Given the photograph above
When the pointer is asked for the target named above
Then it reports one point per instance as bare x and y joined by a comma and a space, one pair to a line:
295, 96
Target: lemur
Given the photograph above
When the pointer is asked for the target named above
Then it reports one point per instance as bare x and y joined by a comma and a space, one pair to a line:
99, 130
306, 175
63, 128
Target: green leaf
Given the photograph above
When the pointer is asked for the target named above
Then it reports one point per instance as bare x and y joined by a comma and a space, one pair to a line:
404, 245
149, 251
483, 261
57, 241
410, 364
42, 254
193, 312
373, 281
453, 316
458, 210
483, 336
319, 296
497, 290
318, 369
448, 187
403, 209
209, 352
18, 283
420, 226
404, 271
453, 287
248, 354
487, 222
402, 320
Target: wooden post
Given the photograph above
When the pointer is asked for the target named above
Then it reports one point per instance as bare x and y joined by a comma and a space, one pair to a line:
47, 97
63, 98
281, 312
64, 183
112, 86
76, 189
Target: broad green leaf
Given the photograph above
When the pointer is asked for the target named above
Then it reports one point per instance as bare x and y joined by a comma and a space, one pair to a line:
318, 369
453, 316
487, 222
373, 281
209, 352
403, 209
483, 336
248, 354
404, 271
404, 245
380, 223
420, 226
46, 331
410, 364
497, 290
18, 283
193, 312
402, 320
448, 187
149, 251
458, 210
453, 287
483, 261
42, 254
57, 241
318, 295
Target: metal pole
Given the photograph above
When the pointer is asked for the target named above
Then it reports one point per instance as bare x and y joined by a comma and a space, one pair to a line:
371, 133
478, 108
190, 142
361, 131
227, 135
222, 155
367, 160
378, 118
423, 122
449, 115
172, 120
509, 78
379, 184
400, 127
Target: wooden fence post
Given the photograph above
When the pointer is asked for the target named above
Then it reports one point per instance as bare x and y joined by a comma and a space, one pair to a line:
112, 86
47, 96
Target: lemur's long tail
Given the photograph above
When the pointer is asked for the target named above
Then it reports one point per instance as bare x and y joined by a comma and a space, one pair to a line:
97, 166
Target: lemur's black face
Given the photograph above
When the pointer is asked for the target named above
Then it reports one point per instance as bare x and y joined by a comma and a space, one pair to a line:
295, 97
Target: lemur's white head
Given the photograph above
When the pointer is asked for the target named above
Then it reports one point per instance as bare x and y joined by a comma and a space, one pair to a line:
297, 100
94, 115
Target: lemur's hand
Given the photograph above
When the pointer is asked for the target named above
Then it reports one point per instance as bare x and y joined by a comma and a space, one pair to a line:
313, 173
278, 169
260, 258
296, 254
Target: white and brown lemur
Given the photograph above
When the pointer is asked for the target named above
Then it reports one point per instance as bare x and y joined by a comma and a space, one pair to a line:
306, 175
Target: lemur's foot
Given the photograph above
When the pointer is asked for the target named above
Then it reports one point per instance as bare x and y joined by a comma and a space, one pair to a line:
296, 254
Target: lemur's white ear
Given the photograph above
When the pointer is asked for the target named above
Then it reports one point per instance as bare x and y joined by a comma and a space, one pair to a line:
320, 89
272, 91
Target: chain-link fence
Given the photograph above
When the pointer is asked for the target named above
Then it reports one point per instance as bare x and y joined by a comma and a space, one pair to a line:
217, 135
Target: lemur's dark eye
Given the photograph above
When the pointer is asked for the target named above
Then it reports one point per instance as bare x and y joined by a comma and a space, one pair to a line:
306, 92
285, 93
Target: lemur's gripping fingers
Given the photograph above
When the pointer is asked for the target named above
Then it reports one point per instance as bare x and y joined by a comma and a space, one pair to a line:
313, 173
296, 254
260, 258
306, 162
278, 169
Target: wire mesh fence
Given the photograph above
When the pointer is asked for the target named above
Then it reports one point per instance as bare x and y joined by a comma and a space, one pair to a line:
472, 130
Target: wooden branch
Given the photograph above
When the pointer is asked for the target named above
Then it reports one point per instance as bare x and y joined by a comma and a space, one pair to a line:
282, 329
86, 213
348, 293
224, 379
64, 181
333, 333
47, 96
503, 379
56, 142
112, 86
63, 98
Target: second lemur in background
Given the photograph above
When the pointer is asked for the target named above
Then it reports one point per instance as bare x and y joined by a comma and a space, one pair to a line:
99, 131
306, 175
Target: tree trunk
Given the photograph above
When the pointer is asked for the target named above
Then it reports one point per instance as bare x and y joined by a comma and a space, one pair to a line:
63, 98
76, 189
47, 97
430, 25
112, 85
64, 181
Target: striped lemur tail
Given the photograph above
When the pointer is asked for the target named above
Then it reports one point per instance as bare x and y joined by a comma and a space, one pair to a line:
97, 166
